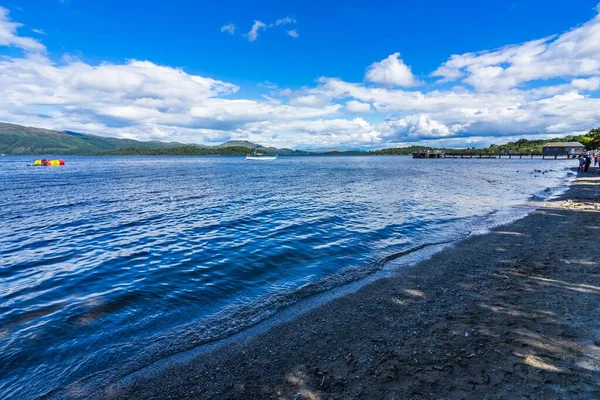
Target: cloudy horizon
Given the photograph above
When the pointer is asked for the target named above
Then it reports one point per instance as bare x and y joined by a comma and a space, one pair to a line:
540, 87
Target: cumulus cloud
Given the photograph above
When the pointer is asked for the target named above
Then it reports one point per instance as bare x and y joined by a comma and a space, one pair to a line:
315, 133
9, 36
468, 113
416, 127
131, 100
293, 33
590, 84
228, 28
490, 100
108, 93
233, 113
572, 54
391, 71
356, 107
309, 100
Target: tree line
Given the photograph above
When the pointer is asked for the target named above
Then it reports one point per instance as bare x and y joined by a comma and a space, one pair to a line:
590, 140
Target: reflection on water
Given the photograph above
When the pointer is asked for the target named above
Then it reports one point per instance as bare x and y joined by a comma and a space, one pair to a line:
116, 261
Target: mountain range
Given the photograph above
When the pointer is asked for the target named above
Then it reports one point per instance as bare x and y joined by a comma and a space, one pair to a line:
18, 139
23, 140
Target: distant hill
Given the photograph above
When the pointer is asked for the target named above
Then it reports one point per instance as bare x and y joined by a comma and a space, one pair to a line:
17, 139
267, 150
192, 150
401, 151
239, 143
188, 150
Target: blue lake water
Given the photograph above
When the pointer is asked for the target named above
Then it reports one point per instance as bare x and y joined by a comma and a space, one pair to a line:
111, 263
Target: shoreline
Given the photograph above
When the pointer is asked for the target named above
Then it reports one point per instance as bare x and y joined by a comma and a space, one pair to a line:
343, 355
341, 154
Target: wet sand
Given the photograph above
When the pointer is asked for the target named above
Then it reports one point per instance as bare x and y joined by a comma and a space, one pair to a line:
511, 314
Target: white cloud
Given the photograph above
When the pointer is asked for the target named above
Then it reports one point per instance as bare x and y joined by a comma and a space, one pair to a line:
138, 99
39, 31
228, 28
490, 102
256, 27
391, 71
574, 53
356, 107
309, 100
466, 113
316, 133
9, 37
416, 127
252, 35
590, 84
285, 21
234, 112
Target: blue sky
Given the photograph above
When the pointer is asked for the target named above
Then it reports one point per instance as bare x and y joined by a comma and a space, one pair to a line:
317, 73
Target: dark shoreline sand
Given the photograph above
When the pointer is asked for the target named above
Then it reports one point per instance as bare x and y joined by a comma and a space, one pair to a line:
510, 314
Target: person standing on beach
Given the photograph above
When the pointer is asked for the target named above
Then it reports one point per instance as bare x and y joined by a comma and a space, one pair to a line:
581, 163
596, 159
588, 161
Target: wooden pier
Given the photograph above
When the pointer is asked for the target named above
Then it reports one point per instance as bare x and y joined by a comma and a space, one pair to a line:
440, 154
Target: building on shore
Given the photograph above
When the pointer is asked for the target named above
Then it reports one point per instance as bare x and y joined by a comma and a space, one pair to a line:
563, 149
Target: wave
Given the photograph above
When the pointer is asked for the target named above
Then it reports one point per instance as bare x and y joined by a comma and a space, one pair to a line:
172, 345
176, 267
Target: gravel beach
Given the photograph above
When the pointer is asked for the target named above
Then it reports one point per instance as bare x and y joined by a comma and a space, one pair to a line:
514, 313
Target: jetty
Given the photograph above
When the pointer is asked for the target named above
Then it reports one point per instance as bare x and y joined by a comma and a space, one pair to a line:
553, 150
476, 154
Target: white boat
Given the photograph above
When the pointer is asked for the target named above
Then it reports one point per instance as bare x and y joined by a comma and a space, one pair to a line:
260, 157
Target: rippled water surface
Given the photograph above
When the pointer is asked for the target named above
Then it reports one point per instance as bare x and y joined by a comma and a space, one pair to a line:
110, 263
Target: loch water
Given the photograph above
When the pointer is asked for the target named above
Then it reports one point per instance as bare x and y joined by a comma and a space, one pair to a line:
111, 263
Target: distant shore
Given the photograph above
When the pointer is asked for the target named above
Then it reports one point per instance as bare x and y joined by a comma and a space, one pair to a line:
464, 155
509, 314
23, 140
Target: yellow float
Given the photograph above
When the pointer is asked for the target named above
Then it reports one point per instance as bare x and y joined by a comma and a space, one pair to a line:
48, 163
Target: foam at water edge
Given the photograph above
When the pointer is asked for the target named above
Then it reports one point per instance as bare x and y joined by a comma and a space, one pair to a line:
537, 200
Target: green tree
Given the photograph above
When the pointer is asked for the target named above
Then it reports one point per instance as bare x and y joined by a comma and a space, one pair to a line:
594, 139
